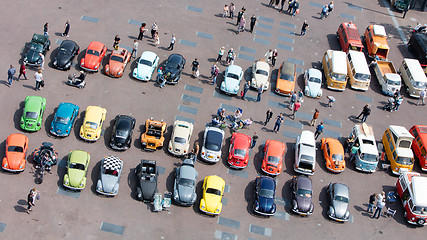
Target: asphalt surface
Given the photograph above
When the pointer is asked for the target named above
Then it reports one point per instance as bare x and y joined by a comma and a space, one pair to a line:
200, 31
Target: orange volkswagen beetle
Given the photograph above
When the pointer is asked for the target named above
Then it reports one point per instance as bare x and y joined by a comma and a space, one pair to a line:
334, 155
93, 56
273, 157
16, 148
118, 60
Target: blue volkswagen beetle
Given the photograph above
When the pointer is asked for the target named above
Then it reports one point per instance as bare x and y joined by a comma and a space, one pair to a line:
64, 119
265, 190
147, 63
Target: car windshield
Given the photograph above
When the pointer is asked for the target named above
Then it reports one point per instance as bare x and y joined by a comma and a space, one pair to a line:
91, 125
315, 80
213, 141
232, 75
338, 77
172, 65
213, 191
404, 161
273, 160
286, 77
15, 149
362, 77
341, 199
145, 62
306, 158
405, 144
337, 157
186, 182
116, 58
111, 172
64, 50
92, 52
422, 85
239, 153
261, 72
266, 193
36, 47
393, 83
180, 140
420, 210
33, 115
77, 166
304, 193
62, 120
368, 157
122, 133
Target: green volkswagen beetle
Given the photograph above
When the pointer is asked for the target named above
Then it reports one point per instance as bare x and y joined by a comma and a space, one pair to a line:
78, 163
32, 117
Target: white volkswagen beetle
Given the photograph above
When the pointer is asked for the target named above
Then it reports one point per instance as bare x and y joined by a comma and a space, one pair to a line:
260, 74
146, 65
232, 77
313, 83
180, 139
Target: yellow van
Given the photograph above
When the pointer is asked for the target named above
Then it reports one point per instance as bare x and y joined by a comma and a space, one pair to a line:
358, 70
335, 69
397, 143
413, 75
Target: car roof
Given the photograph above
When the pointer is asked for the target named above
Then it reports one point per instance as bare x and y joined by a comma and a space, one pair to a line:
341, 189
339, 61
419, 187
312, 72
112, 163
359, 62
241, 140
400, 131
175, 58
379, 30
16, 138
416, 69
94, 112
34, 103
95, 45
307, 137
213, 181
275, 148
66, 109
261, 64
234, 69
68, 44
267, 183
335, 146
304, 182
288, 67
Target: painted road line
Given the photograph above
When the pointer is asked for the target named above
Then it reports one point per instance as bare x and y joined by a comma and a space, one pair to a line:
58, 41
302, 115
318, 5
348, 16
193, 88
285, 47
286, 39
350, 5
221, 95
262, 25
260, 230
290, 134
281, 215
351, 219
396, 24
195, 9
224, 201
300, 70
228, 108
227, 188
245, 57
135, 22
112, 228
240, 173
265, 19
89, 19
189, 98
2, 227
293, 124
277, 104
262, 33
330, 133
247, 49
69, 193
161, 170
261, 40
224, 235
187, 109
332, 122
283, 202
364, 98
289, 25
228, 222
296, 61
187, 43
181, 118
286, 31
204, 35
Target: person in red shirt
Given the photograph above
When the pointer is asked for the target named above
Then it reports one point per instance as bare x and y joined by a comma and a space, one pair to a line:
297, 105
22, 71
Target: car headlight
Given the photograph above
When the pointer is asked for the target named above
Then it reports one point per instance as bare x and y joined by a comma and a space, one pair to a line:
175, 195
236, 88
96, 67
295, 203
134, 72
68, 64
55, 63
21, 166
81, 184
256, 205
25, 59
217, 210
120, 73
99, 188
5, 165
38, 124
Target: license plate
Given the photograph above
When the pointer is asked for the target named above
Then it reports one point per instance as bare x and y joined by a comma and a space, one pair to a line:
89, 135
210, 156
30, 125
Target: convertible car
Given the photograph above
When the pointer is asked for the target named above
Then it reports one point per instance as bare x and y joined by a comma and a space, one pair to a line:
65, 55
39, 44
146, 173
146, 65
118, 60
64, 119
32, 117
152, 139
78, 163
16, 148
109, 176
94, 54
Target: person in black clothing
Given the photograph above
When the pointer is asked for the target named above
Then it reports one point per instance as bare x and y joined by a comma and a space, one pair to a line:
371, 203
31, 198
195, 67
253, 22
268, 116
365, 112
282, 3
45, 29
304, 28
142, 30
254, 139
116, 42
67, 28
239, 16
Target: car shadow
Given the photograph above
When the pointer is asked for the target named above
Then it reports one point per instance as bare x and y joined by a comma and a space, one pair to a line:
132, 182
79, 57
286, 194
333, 42
170, 180
289, 159
3, 151
48, 123
107, 134
196, 205
17, 116
61, 170
132, 65
94, 175
224, 152
52, 57
167, 135
320, 159
78, 123
258, 157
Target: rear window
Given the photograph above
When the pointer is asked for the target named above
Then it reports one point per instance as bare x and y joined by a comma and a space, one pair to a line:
213, 191
179, 140
273, 160
116, 59
232, 75
261, 72
145, 62
15, 149
32, 115
92, 52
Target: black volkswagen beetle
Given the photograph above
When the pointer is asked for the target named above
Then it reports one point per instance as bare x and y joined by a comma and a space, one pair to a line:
66, 53
302, 191
173, 69
121, 138
146, 173
265, 190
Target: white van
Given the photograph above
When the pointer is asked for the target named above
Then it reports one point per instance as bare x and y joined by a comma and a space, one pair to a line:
413, 76
358, 70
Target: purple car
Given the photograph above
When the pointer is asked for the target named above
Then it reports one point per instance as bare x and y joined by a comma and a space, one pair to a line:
302, 190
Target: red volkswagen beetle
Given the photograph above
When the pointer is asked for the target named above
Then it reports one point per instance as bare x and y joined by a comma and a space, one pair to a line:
238, 155
273, 157
93, 56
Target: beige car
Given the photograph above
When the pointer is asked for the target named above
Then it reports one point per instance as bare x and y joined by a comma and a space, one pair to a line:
260, 74
180, 139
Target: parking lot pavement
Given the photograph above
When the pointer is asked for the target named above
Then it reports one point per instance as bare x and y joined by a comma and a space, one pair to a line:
200, 31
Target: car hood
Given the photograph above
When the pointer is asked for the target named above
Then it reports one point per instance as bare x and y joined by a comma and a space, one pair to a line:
266, 204
115, 67
119, 141
144, 70
62, 59
33, 56
108, 182
313, 89
212, 202
340, 208
90, 61
75, 177
231, 84
148, 189
304, 203
185, 193
14, 159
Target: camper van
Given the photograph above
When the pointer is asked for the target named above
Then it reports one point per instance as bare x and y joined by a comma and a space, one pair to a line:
397, 143
358, 70
335, 69
366, 158
413, 76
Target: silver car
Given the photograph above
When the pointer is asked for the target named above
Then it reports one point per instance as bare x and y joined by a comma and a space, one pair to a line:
111, 170
184, 190
339, 195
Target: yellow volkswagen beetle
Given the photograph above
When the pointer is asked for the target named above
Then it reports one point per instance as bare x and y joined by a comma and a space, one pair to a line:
213, 190
92, 124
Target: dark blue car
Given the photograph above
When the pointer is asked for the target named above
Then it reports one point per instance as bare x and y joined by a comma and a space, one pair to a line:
265, 190
64, 119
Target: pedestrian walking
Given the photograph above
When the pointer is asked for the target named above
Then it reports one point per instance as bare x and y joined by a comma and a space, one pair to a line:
297, 105
271, 3
268, 55
315, 116
324, 12
301, 96
116, 42
282, 3
253, 22
232, 57
365, 113
142, 30
242, 25
229, 55
260, 90
290, 4
245, 90
353, 150
156, 38
268, 116
160, 79
22, 71
398, 102
45, 29
254, 139
42, 60
173, 39
232, 8
66, 29
319, 130
135, 48
292, 100
405, 11
39, 79
276, 4
331, 99
31, 199
220, 54
213, 70
274, 57
216, 72
304, 28
10, 73
371, 203
195, 68
154, 29
295, 8
330, 8
225, 12
279, 120
239, 16
380, 205
421, 99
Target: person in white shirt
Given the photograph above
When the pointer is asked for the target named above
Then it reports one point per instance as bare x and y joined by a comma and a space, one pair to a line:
39, 79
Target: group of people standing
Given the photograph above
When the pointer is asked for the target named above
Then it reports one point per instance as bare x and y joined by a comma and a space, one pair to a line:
229, 10
377, 200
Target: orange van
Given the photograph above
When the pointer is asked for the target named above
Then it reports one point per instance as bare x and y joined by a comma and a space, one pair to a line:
376, 42
419, 144
348, 37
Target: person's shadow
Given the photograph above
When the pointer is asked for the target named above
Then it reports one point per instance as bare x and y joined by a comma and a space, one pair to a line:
19, 207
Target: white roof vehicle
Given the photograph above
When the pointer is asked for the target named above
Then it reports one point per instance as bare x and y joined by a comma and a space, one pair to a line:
305, 153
